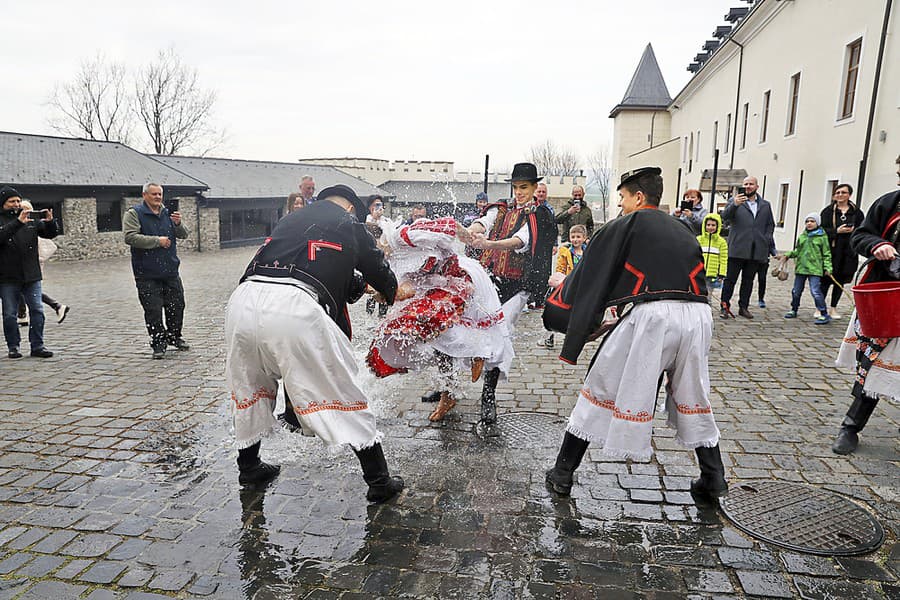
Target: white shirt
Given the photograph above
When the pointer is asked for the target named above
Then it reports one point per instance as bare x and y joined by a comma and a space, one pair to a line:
753, 205
488, 220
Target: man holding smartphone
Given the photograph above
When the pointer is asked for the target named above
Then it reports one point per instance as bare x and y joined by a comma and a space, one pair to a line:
577, 213
751, 236
151, 231
20, 270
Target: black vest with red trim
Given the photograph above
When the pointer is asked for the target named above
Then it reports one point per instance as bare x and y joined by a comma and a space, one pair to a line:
880, 227
509, 264
322, 245
642, 257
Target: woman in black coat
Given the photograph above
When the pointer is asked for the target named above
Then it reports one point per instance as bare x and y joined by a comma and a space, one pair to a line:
839, 220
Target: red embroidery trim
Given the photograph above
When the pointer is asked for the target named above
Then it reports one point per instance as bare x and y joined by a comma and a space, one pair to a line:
641, 417
313, 247
692, 276
314, 407
253, 399
404, 234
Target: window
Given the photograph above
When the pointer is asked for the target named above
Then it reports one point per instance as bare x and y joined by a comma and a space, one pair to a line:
829, 189
792, 105
685, 157
715, 137
727, 131
109, 215
764, 124
744, 119
850, 76
691, 153
697, 156
782, 206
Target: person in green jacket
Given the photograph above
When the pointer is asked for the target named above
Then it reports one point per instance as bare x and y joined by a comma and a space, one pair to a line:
715, 250
813, 262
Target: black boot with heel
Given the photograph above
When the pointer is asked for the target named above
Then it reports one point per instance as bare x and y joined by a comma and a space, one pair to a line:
560, 477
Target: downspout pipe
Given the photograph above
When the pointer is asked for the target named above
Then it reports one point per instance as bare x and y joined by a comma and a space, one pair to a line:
863, 163
737, 97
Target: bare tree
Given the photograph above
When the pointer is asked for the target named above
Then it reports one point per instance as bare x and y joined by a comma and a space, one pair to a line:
551, 160
173, 109
95, 104
600, 173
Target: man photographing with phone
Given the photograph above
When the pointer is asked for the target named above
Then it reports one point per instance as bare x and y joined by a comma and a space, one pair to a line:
577, 213
20, 270
752, 228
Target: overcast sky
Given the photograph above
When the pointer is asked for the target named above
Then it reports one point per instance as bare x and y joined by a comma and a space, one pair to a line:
383, 79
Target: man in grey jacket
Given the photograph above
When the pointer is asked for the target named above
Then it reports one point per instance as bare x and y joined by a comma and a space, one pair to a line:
752, 228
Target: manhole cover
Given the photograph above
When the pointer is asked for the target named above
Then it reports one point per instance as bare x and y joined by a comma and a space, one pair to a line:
802, 517
531, 430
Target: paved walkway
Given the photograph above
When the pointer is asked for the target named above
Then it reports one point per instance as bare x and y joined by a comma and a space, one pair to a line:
117, 476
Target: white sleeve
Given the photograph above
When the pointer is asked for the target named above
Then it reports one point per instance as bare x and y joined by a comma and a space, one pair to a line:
524, 235
487, 221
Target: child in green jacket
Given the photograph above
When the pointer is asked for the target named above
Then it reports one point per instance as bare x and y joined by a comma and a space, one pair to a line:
715, 250
813, 262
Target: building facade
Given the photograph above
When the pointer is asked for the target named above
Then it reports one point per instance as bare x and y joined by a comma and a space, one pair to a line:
802, 94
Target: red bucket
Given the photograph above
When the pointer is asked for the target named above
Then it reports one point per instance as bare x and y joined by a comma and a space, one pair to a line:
878, 308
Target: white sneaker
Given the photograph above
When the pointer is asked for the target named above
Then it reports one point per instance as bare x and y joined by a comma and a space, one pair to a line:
61, 313
834, 314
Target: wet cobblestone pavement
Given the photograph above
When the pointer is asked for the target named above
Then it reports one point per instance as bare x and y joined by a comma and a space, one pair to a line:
117, 475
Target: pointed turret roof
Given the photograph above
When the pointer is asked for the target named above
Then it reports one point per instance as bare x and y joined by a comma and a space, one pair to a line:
647, 89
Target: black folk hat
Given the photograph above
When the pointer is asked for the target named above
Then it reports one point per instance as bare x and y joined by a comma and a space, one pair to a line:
524, 172
346, 193
635, 173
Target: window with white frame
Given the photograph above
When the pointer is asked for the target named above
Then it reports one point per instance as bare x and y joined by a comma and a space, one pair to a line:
744, 118
851, 74
793, 101
697, 156
715, 140
783, 202
727, 132
764, 117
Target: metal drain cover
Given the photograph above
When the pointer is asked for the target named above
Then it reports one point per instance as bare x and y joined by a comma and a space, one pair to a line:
531, 430
802, 517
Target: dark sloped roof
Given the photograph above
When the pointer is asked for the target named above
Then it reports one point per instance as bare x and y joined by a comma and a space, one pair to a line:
231, 178
46, 160
443, 191
647, 88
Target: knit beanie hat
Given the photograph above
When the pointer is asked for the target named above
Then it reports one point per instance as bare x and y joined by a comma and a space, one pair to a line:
7, 192
815, 217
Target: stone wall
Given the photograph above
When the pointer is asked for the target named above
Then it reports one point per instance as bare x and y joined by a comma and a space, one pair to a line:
83, 241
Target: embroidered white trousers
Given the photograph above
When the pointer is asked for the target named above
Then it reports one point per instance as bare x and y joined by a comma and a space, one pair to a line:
278, 331
616, 405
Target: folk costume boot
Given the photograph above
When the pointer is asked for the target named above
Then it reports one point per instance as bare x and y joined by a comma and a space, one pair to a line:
445, 404
252, 470
382, 487
559, 478
711, 483
488, 422
847, 438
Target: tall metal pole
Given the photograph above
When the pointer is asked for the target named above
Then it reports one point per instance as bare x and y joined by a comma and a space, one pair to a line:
715, 175
487, 160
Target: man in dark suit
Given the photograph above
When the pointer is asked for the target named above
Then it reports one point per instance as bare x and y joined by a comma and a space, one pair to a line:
752, 228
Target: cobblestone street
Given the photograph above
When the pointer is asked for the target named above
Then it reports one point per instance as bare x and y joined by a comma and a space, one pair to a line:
117, 474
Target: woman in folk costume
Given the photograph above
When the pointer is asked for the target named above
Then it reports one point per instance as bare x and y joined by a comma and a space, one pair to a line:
876, 360
652, 262
288, 320
447, 311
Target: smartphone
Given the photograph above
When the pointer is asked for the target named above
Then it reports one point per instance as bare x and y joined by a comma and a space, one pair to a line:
742, 191
687, 205
37, 214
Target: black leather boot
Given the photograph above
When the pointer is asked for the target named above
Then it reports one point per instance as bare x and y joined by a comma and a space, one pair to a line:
252, 470
847, 439
711, 483
559, 478
382, 487
489, 397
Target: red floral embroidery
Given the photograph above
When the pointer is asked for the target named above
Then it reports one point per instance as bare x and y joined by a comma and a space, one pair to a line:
640, 417
693, 410
313, 407
253, 399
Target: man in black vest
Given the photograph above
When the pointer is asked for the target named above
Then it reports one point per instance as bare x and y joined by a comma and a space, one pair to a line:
151, 231
288, 320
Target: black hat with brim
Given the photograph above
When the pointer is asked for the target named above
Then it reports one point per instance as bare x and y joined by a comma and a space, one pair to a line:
634, 174
524, 172
342, 191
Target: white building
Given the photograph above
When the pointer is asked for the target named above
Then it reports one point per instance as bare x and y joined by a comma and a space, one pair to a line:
802, 94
